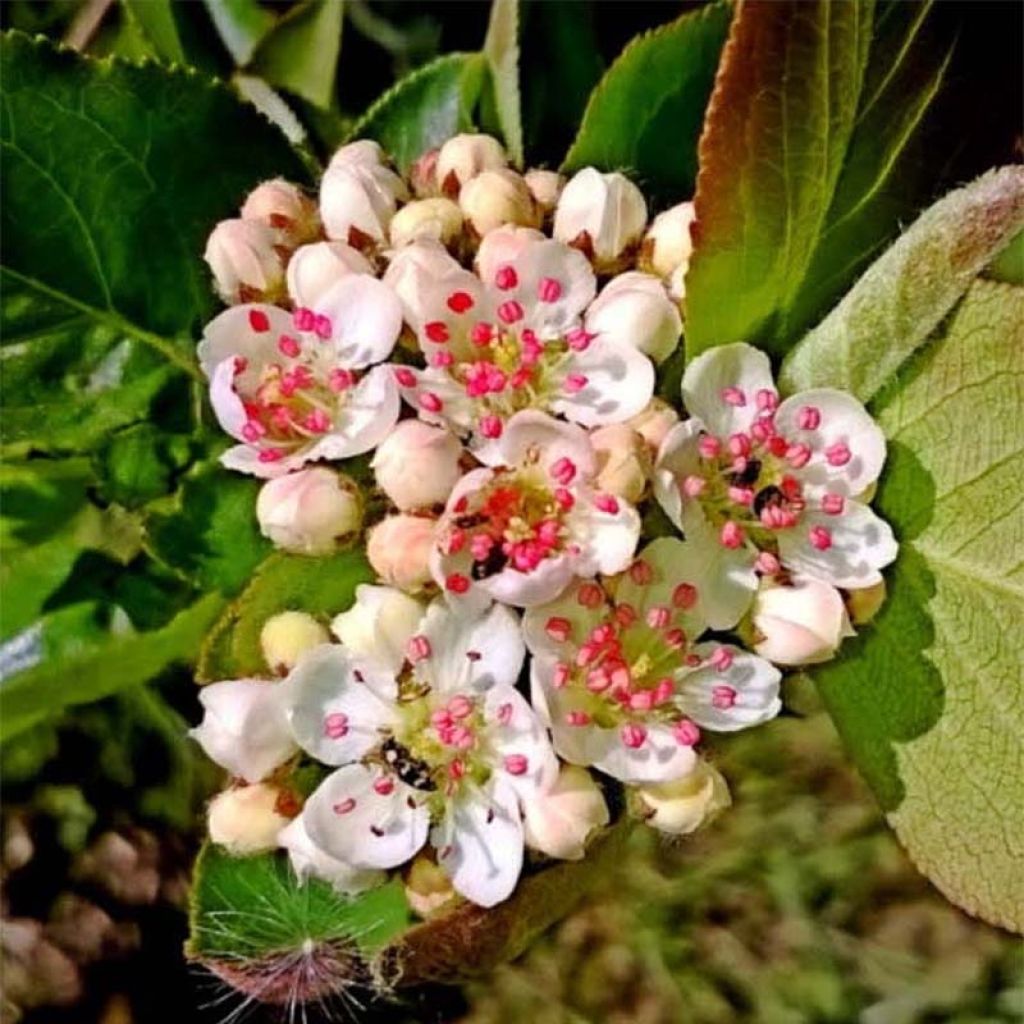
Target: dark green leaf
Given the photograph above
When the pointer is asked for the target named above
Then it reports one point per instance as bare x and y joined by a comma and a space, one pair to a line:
501, 49
646, 113
241, 25
155, 21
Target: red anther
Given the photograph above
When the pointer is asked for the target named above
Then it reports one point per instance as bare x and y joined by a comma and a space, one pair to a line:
288, 346
693, 485
491, 426
741, 495
322, 327
340, 380
633, 735
709, 447
506, 277
558, 628
418, 648
481, 334
767, 400
564, 499
808, 418
459, 302
271, 455
259, 321
561, 676
778, 445
767, 564
684, 596
563, 470
676, 639
457, 583
318, 422
436, 331
733, 396
384, 786
723, 697
504, 715
598, 680
686, 733
405, 377
625, 615
798, 455
658, 617
739, 444
578, 339
574, 382
833, 503
431, 402
460, 707
643, 700
516, 764
721, 659
578, 718
510, 312
336, 726
549, 290
607, 503
820, 538
590, 595
640, 572
344, 806
838, 454
731, 535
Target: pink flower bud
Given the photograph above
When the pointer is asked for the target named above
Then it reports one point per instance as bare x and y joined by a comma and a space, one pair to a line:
500, 249
654, 422
358, 200
634, 309
287, 636
545, 187
623, 461
682, 806
399, 549
417, 465
245, 264
314, 269
245, 820
439, 218
464, 157
559, 821
309, 512
800, 624
361, 153
423, 175
285, 209
492, 199
667, 245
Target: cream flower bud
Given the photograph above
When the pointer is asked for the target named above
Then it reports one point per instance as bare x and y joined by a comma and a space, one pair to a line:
654, 422
285, 209
624, 462
417, 465
437, 218
361, 153
545, 187
399, 549
463, 157
357, 202
495, 198
603, 215
245, 820
682, 806
801, 624
423, 175
559, 821
634, 308
380, 619
667, 245
246, 265
310, 511
864, 603
315, 269
287, 636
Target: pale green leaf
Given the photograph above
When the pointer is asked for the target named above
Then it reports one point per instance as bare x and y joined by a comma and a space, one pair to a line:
155, 20
501, 49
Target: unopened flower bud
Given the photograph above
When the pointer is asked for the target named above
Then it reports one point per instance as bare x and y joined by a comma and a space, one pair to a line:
287, 636
357, 202
682, 806
545, 187
436, 218
285, 209
667, 246
315, 269
559, 821
603, 215
245, 820
417, 465
379, 624
427, 887
863, 604
309, 512
361, 153
423, 175
799, 624
495, 198
463, 157
246, 265
623, 460
654, 422
634, 309
399, 549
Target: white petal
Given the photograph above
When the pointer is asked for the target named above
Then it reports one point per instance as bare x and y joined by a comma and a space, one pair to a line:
607, 539
330, 681
366, 319
581, 620
754, 680
350, 820
379, 624
370, 412
412, 272
501, 248
244, 458
231, 333
620, 383
457, 411
471, 650
480, 847
862, 543
727, 366
525, 590
227, 406
533, 434
549, 260
314, 269
660, 758
431, 306
308, 860
843, 421
634, 309
677, 459
514, 728
245, 728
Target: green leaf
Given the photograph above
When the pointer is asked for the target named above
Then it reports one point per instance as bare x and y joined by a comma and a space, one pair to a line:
241, 24
929, 698
1008, 266
906, 293
66, 663
141, 463
501, 49
118, 238
155, 20
245, 909
774, 141
300, 53
646, 113
321, 586
425, 108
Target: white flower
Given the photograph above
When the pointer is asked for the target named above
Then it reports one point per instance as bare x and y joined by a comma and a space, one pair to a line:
492, 199
245, 728
513, 340
437, 218
400, 549
623, 461
285, 209
315, 269
445, 749
358, 200
545, 187
309, 861
800, 623
285, 637
245, 819
379, 624
633, 308
309, 512
621, 678
559, 822
668, 245
245, 262
463, 157
291, 387
762, 484
684, 805
417, 465
519, 532
603, 215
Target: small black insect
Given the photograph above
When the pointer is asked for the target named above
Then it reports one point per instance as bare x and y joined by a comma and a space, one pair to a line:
767, 496
493, 563
470, 520
748, 475
411, 770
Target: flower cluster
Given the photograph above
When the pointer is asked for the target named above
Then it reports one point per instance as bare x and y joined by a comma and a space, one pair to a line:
493, 339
